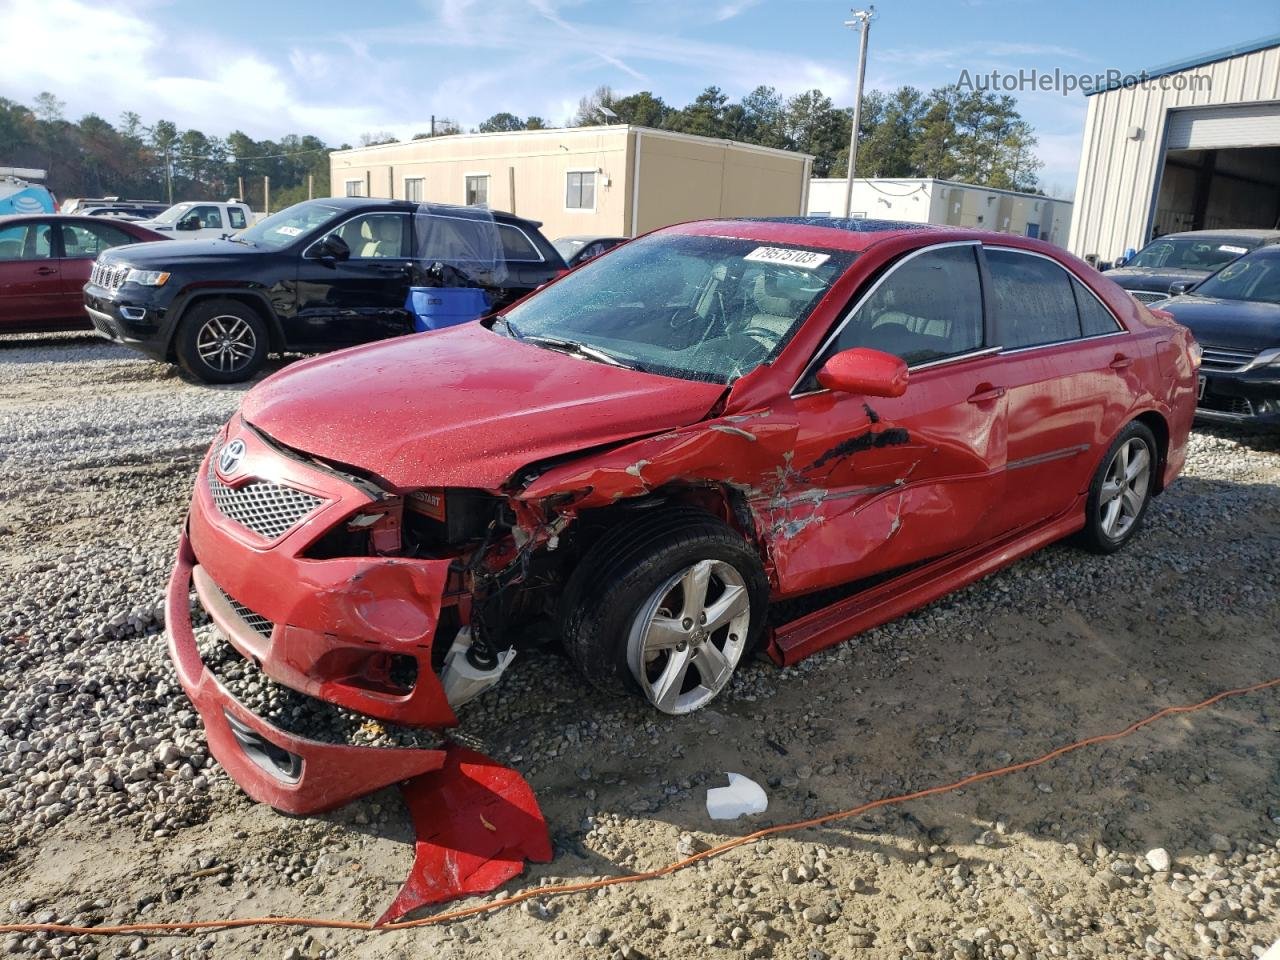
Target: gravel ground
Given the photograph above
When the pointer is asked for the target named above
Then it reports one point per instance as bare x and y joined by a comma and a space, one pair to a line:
1166, 844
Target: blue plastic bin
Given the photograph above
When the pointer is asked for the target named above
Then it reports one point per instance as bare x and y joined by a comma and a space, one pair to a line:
435, 308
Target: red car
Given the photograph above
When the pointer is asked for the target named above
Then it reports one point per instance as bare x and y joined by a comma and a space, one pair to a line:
45, 261
720, 437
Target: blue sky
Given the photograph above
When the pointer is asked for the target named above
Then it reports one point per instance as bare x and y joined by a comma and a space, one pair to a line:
338, 69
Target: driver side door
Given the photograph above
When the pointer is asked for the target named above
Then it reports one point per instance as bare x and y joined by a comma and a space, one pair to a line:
361, 298
878, 484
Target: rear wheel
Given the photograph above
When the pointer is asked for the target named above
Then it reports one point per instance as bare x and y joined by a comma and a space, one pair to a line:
667, 605
1121, 490
221, 341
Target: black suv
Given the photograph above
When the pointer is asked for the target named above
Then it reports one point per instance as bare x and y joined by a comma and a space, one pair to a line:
319, 275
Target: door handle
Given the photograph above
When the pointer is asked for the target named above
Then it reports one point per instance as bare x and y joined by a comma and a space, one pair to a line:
45, 271
986, 392
1120, 362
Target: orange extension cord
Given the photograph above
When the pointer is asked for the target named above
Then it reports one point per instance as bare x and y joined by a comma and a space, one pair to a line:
567, 888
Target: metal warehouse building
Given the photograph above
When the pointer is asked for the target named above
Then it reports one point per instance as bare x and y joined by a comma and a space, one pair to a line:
1194, 146
615, 180
929, 200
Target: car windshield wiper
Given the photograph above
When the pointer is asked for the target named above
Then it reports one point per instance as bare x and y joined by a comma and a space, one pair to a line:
576, 349
508, 326
235, 239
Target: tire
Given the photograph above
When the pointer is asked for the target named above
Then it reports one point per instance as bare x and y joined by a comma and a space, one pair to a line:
221, 341
1114, 512
619, 605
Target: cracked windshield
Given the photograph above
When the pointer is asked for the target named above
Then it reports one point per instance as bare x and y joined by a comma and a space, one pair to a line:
698, 308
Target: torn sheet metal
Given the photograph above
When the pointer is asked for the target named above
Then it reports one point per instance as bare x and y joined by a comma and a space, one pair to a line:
476, 822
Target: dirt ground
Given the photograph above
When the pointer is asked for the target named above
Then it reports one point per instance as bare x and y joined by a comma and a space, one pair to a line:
1049, 862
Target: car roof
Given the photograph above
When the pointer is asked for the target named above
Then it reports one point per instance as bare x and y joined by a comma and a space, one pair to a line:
12, 218
1224, 235
838, 233
384, 203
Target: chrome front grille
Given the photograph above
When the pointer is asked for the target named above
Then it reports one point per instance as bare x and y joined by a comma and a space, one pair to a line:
107, 276
1147, 296
1225, 359
268, 509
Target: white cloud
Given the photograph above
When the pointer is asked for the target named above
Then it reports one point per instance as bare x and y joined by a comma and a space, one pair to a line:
727, 11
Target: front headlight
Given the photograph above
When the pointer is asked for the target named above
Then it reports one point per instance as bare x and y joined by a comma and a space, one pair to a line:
147, 278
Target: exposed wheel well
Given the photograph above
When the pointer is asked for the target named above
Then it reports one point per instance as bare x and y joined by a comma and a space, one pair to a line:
247, 299
1154, 422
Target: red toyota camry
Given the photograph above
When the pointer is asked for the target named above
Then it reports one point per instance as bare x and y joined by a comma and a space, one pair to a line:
651, 454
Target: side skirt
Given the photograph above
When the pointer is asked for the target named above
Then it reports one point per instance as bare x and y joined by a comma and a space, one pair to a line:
824, 628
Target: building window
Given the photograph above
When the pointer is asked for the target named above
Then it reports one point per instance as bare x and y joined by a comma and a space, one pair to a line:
478, 190
413, 188
580, 192
355, 188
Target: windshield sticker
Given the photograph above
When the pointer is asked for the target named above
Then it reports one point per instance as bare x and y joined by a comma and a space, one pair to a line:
289, 231
1227, 249
804, 259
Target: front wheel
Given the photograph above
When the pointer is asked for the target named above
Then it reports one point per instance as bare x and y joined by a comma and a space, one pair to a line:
667, 605
221, 341
1121, 490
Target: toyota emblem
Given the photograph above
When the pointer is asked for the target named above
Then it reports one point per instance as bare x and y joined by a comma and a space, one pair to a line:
229, 457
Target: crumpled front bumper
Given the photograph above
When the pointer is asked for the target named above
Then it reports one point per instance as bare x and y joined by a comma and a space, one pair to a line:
288, 772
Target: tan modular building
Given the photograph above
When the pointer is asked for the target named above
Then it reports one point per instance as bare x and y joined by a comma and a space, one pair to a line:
928, 200
1192, 146
609, 181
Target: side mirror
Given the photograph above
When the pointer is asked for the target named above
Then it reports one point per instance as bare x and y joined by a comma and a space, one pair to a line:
189, 223
870, 373
1179, 287
1119, 262
333, 247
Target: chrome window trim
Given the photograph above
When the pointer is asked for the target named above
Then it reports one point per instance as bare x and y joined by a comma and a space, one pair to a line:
1058, 343
306, 254
809, 368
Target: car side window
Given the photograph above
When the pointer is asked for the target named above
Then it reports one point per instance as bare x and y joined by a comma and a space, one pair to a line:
516, 246
210, 218
926, 308
1095, 319
237, 218
1032, 303
374, 236
90, 240
26, 241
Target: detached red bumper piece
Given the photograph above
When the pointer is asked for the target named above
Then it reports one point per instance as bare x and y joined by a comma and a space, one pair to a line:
289, 772
476, 823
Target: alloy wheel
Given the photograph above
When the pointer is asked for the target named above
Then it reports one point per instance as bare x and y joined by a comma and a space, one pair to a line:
226, 343
689, 636
1124, 490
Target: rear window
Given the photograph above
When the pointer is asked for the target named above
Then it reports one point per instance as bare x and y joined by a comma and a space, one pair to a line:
1032, 300
515, 245
1095, 319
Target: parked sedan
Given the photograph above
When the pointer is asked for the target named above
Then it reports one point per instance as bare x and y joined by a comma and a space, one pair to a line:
45, 261
652, 456
319, 275
1235, 315
578, 250
1185, 259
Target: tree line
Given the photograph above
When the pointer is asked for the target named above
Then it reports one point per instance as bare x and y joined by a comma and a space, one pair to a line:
968, 135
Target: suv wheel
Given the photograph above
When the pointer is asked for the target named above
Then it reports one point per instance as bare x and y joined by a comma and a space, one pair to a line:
668, 605
1121, 490
221, 341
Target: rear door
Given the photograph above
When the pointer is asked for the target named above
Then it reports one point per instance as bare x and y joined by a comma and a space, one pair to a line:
359, 299
29, 275
883, 483
527, 266
80, 245
1070, 373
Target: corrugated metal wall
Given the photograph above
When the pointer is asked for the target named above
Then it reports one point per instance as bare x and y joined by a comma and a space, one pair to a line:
1117, 183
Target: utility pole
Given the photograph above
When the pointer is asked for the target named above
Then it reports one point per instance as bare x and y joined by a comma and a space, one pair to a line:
168, 174
861, 19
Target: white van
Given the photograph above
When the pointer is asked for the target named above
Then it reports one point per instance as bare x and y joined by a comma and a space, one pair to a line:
200, 220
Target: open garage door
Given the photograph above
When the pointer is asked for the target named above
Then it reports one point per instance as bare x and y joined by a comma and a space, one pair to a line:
1221, 169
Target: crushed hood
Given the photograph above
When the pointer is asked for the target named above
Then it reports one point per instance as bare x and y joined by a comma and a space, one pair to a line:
463, 407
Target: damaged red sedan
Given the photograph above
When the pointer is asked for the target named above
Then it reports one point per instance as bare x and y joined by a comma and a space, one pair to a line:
721, 437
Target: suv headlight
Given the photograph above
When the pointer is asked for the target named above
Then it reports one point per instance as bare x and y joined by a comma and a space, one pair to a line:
147, 278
